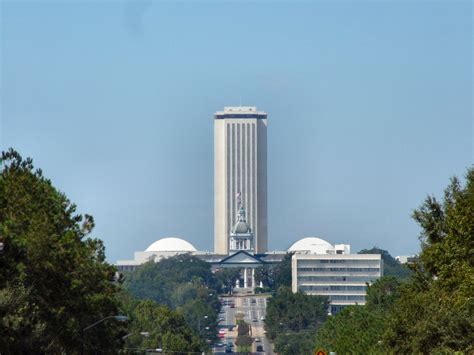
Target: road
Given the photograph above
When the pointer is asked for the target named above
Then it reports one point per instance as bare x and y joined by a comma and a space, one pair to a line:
253, 309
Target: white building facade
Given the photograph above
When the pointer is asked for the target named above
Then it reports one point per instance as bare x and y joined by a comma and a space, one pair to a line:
240, 172
342, 277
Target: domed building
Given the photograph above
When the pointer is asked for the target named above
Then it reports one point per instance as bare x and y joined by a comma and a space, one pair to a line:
314, 245
171, 245
160, 249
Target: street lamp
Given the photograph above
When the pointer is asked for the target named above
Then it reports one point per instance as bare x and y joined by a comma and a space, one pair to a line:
120, 318
199, 323
143, 334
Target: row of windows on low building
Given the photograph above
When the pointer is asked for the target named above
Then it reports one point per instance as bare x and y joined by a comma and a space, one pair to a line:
337, 278
340, 269
346, 298
333, 288
342, 261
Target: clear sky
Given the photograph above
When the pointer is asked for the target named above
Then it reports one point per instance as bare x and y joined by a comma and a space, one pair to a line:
369, 103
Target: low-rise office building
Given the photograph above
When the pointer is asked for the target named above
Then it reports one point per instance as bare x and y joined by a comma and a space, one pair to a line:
341, 276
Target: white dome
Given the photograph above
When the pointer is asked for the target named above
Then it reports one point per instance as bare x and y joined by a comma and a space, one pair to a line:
171, 244
312, 245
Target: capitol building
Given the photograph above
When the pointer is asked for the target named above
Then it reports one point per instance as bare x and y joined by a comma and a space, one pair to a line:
240, 223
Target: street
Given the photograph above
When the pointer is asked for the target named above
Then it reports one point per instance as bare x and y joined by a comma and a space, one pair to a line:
253, 309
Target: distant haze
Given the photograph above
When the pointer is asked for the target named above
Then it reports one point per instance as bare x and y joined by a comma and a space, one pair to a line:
369, 109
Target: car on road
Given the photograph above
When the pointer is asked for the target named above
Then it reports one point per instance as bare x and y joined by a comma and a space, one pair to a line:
220, 344
221, 319
258, 340
255, 320
262, 318
228, 349
259, 349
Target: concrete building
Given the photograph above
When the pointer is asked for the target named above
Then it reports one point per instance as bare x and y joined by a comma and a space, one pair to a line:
240, 172
318, 268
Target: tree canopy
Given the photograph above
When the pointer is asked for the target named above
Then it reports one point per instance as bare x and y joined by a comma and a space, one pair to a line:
391, 267
291, 313
163, 327
359, 329
54, 280
434, 311
275, 276
183, 283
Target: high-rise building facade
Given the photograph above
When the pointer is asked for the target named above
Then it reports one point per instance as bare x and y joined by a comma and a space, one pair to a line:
240, 174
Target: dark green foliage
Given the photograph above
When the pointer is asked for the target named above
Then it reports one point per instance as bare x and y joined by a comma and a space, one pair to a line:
299, 343
282, 272
434, 312
289, 313
166, 329
354, 330
54, 281
275, 276
228, 277
244, 340
391, 267
243, 328
359, 329
431, 321
383, 293
184, 283
158, 281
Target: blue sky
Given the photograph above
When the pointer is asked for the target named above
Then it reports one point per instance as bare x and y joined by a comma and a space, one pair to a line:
370, 110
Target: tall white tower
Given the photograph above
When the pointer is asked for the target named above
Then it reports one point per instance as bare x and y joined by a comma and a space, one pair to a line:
240, 173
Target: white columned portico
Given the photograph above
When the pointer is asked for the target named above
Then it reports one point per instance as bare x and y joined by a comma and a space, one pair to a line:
245, 277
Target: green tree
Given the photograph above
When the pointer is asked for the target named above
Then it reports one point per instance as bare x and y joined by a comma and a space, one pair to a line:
391, 267
354, 330
275, 276
434, 311
359, 329
383, 293
244, 340
291, 313
157, 281
228, 277
183, 283
282, 272
54, 280
297, 343
165, 328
